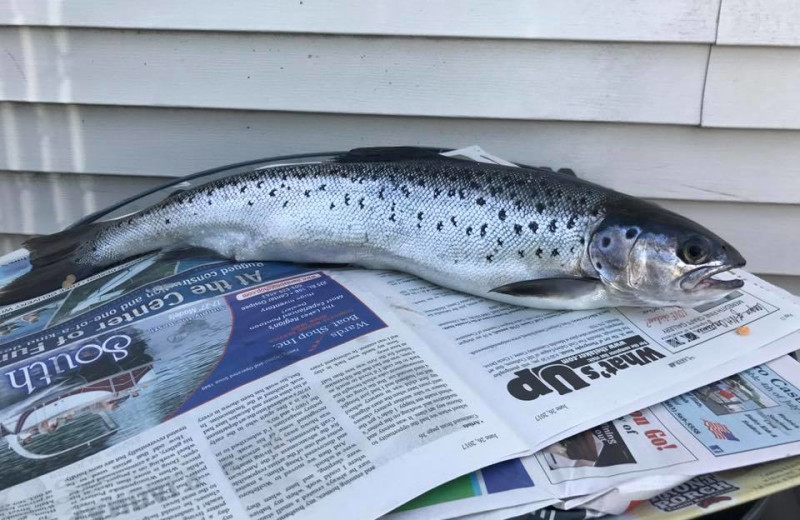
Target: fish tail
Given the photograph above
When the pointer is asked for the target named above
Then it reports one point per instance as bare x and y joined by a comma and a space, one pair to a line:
57, 261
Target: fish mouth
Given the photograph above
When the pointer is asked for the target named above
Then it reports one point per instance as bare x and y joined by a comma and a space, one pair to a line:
703, 279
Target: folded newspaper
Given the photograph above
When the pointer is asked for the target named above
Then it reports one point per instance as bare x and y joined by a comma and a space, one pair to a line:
192, 387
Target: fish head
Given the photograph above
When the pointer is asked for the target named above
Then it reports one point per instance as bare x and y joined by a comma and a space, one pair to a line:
647, 255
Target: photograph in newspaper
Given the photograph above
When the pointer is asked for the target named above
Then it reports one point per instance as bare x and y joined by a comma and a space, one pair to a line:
632, 444
755, 409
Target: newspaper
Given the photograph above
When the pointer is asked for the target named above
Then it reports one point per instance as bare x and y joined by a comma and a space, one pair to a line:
744, 419
717, 491
259, 390
554, 373
253, 390
754, 418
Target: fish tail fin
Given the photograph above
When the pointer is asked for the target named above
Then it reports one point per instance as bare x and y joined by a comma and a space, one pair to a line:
55, 263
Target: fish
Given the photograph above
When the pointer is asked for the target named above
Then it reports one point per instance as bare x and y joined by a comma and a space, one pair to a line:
526, 236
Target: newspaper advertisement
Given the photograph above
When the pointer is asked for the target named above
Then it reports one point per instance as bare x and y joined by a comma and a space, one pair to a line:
240, 390
717, 491
744, 419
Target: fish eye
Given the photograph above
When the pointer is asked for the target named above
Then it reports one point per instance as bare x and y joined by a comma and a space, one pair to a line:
693, 251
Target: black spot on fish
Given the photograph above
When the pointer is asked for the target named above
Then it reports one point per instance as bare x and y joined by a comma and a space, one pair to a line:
249, 202
405, 190
571, 223
469, 230
380, 193
439, 226
489, 257
606, 242
582, 240
539, 207
361, 203
594, 212
453, 221
599, 265
210, 192
631, 233
332, 205
521, 253
307, 193
518, 204
243, 189
191, 199
346, 199
517, 229
259, 184
419, 215
166, 221
393, 205
421, 183
480, 201
553, 225
436, 192
539, 252
582, 201
322, 187
483, 229
501, 214
554, 252
499, 242
285, 203
533, 226
209, 202
451, 192
391, 217
461, 195
272, 192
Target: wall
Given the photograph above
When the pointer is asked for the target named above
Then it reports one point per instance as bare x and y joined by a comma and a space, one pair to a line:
693, 103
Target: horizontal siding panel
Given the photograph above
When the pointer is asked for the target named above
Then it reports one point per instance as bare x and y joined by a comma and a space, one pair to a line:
753, 87
759, 22
513, 79
766, 234
39, 203
641, 20
644, 160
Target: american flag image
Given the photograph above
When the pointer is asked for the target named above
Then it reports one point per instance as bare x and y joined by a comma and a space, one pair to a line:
720, 431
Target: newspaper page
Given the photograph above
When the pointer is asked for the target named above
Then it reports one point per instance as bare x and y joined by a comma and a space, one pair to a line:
615, 457
179, 388
553, 373
744, 419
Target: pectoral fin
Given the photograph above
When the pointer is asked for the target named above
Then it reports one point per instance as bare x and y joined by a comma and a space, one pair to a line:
551, 287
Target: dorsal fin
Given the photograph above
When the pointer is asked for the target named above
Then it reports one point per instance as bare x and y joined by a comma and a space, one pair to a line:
390, 153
